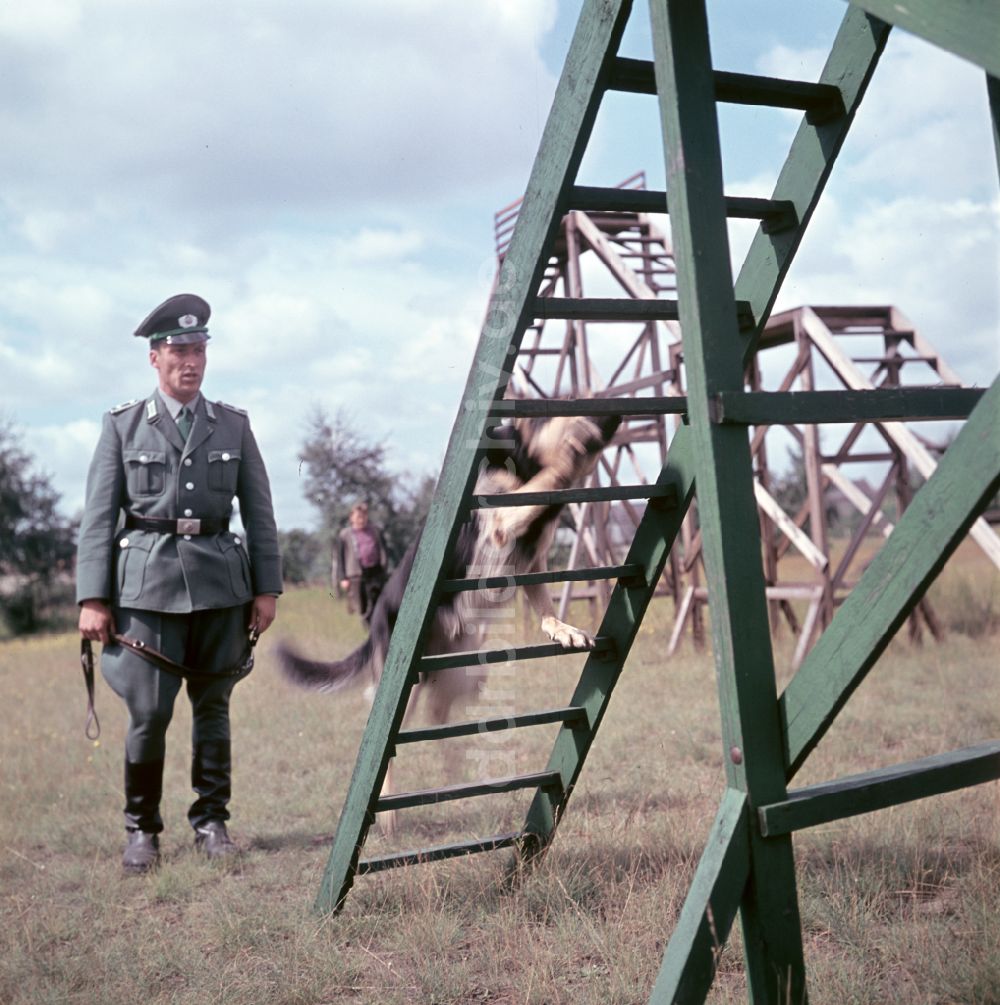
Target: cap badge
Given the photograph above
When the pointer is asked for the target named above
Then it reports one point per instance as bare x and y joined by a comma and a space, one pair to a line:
187, 321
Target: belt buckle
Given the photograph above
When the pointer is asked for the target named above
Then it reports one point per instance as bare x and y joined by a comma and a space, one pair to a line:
188, 526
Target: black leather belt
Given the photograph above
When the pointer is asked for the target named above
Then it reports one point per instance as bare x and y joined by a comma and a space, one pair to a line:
182, 525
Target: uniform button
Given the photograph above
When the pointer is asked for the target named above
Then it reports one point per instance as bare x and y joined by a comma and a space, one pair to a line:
187, 537
123, 543
143, 458
189, 512
225, 457
188, 462
189, 486
236, 540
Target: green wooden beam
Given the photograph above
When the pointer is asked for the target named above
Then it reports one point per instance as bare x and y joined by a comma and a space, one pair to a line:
879, 789
727, 509
563, 143
993, 96
926, 535
766, 408
692, 956
968, 28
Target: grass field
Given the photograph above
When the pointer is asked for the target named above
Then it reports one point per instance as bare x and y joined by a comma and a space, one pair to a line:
899, 906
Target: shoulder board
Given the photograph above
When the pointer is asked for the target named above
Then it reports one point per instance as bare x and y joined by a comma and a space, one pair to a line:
124, 406
232, 408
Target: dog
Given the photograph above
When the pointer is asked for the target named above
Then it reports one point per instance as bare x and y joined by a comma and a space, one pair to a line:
526, 455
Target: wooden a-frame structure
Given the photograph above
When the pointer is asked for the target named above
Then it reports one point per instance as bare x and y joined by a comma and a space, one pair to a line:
747, 868
852, 347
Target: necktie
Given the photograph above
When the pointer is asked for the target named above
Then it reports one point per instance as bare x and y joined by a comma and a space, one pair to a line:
184, 421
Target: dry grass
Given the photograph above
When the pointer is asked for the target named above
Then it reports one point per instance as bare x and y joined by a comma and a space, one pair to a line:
898, 906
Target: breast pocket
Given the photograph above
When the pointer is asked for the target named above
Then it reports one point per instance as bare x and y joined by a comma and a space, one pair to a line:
145, 472
223, 470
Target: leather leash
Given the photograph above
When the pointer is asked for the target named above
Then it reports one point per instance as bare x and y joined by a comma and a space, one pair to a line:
93, 728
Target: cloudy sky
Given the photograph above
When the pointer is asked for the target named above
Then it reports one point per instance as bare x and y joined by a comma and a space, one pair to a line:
326, 174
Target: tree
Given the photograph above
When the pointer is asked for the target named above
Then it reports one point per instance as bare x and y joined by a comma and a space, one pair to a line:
36, 543
341, 467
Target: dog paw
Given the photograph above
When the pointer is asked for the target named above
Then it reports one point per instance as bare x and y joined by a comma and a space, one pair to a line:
566, 635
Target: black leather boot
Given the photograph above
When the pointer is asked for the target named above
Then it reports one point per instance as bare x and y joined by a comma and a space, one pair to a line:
143, 789
210, 778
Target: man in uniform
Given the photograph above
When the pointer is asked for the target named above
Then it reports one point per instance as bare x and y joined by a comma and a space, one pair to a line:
158, 566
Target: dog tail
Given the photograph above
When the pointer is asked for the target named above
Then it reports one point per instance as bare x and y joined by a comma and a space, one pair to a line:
320, 675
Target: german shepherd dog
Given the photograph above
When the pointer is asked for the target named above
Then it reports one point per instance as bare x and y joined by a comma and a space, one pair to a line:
527, 455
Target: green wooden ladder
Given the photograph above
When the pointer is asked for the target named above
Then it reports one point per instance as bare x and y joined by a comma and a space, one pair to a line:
748, 864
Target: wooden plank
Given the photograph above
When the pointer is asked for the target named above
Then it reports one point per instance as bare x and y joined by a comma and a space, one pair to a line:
801, 541
600, 572
884, 787
548, 407
576, 716
468, 790
612, 309
993, 97
968, 28
661, 495
692, 954
926, 535
857, 498
899, 434
727, 509
637, 76
591, 199
438, 853
765, 408
564, 140
482, 657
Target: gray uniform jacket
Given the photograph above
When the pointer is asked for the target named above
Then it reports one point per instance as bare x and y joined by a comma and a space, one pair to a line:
142, 465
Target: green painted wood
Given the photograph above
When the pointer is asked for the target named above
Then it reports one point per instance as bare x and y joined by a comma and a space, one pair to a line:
563, 142
674, 405
592, 574
577, 716
926, 535
691, 958
608, 309
993, 96
968, 28
635, 200
379, 863
662, 495
766, 408
727, 509
467, 790
638, 77
855, 53
879, 789
603, 649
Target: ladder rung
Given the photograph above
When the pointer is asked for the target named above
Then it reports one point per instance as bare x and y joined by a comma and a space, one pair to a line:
549, 407
572, 714
437, 853
664, 495
619, 309
603, 646
465, 790
819, 101
895, 360
553, 576
777, 213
